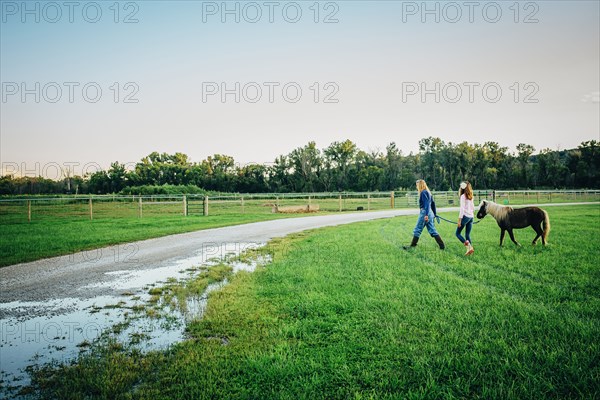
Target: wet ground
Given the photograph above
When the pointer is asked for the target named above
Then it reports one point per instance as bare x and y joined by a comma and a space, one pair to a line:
33, 333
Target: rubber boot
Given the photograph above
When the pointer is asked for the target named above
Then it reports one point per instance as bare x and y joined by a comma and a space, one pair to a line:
440, 242
412, 244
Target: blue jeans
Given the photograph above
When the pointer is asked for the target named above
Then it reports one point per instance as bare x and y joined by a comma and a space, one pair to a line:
429, 224
466, 222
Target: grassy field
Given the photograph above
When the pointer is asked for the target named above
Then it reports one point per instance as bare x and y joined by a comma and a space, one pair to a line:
344, 312
30, 241
68, 222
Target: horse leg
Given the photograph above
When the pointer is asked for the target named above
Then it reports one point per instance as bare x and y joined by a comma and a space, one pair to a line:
543, 239
502, 232
539, 231
512, 237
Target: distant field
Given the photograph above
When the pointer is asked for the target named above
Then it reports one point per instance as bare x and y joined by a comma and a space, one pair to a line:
344, 312
66, 208
47, 238
517, 198
106, 207
63, 225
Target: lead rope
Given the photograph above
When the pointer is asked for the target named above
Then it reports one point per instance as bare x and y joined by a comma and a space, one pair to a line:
452, 222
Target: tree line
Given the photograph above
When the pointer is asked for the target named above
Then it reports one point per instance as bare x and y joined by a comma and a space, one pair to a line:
341, 166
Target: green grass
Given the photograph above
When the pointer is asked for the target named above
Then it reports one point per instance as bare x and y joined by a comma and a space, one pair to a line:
517, 198
176, 293
343, 312
51, 237
71, 230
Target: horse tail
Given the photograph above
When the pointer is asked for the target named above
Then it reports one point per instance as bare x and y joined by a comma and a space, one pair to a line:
546, 226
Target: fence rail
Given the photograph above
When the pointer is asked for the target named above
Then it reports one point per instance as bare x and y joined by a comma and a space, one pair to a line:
23, 210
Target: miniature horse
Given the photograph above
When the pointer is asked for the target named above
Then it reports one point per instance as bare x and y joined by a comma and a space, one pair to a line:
509, 218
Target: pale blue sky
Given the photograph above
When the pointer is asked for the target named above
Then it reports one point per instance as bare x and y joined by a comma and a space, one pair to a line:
368, 54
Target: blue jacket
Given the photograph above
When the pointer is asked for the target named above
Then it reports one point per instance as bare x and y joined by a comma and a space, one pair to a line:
425, 201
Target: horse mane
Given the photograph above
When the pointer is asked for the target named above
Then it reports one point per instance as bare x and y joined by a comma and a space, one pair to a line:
499, 212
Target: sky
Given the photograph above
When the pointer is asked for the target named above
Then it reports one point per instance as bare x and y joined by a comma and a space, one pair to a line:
88, 83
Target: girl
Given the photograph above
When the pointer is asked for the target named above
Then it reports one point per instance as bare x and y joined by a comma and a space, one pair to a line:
465, 216
426, 216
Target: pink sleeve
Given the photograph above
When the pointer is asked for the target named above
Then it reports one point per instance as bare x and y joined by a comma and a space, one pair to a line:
463, 206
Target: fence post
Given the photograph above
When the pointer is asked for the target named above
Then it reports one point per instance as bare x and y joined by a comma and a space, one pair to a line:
29, 210
185, 207
340, 202
205, 204
369, 202
140, 206
91, 210
242, 204
392, 200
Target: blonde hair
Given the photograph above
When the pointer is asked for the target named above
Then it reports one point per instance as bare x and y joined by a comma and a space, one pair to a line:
499, 212
421, 185
467, 191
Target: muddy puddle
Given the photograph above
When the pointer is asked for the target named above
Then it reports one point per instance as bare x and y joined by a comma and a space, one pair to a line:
33, 334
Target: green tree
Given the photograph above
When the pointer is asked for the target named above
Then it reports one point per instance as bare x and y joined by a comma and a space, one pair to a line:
524, 152
431, 168
340, 156
220, 173
99, 183
252, 178
306, 165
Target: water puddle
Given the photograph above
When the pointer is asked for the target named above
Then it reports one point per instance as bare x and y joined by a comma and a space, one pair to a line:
57, 331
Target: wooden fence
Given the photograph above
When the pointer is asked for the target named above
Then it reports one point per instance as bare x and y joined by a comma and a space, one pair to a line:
28, 209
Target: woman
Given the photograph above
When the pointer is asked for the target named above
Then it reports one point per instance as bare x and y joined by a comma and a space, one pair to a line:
426, 216
465, 216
